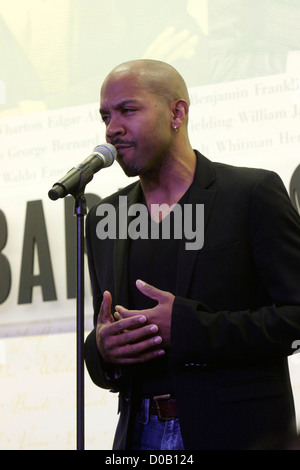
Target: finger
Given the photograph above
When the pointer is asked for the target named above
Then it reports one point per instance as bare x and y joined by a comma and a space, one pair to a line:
104, 315
109, 336
139, 348
130, 343
122, 312
151, 291
133, 322
140, 335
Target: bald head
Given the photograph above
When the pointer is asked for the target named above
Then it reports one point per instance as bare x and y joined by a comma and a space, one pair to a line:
141, 99
156, 77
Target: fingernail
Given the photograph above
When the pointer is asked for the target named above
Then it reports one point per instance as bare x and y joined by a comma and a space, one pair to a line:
142, 319
153, 328
157, 340
140, 283
161, 352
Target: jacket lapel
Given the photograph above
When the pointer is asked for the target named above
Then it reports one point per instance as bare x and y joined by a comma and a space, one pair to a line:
199, 194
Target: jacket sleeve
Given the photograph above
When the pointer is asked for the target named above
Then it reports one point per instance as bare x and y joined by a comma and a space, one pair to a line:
202, 336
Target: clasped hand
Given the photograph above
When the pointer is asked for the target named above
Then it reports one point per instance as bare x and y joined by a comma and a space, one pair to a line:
137, 335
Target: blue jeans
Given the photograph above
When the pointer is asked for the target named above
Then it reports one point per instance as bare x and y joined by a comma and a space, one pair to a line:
152, 434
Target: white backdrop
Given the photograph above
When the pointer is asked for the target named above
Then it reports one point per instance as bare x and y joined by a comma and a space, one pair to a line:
245, 94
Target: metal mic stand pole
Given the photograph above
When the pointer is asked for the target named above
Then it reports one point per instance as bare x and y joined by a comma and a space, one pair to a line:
80, 211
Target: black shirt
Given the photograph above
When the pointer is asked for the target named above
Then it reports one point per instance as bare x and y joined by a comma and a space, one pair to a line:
155, 262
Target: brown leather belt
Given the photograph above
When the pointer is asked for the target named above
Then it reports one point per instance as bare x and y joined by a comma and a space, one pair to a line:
164, 407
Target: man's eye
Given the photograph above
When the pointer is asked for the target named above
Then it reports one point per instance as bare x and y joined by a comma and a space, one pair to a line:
105, 118
128, 110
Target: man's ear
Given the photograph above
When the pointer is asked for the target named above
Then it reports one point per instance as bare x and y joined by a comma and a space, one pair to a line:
180, 109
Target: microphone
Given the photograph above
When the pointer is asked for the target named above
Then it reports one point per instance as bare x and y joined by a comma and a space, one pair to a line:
76, 179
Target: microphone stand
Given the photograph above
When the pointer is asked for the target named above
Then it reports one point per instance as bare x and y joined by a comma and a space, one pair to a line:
80, 211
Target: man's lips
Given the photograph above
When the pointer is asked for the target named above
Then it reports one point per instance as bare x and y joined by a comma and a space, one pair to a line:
121, 146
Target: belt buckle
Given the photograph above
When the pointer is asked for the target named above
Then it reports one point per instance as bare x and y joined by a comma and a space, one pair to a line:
161, 397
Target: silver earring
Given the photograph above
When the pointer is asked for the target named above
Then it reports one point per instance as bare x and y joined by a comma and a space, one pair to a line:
175, 128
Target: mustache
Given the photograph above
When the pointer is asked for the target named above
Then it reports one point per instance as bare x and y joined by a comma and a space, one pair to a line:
119, 141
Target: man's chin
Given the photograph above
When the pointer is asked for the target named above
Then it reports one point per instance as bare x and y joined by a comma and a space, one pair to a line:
129, 170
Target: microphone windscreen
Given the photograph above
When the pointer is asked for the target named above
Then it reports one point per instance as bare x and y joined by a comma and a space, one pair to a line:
107, 152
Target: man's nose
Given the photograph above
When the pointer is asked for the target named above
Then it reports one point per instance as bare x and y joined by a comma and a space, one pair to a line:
115, 127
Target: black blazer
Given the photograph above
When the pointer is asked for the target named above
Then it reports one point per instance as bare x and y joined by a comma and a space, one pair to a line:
235, 316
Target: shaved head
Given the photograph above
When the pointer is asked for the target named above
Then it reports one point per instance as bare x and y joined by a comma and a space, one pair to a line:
142, 99
156, 77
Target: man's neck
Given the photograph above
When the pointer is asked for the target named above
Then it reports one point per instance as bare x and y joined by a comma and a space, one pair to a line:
169, 185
